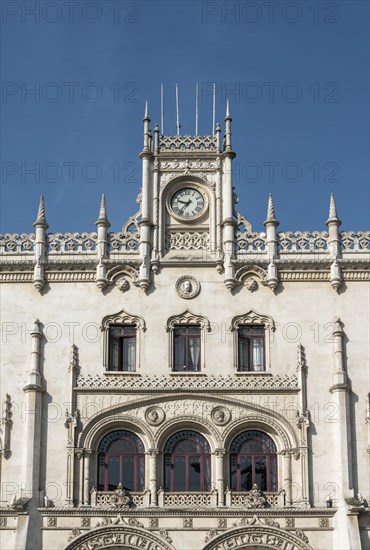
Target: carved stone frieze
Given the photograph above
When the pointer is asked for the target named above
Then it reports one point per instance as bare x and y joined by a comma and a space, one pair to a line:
208, 178
189, 165
188, 240
216, 383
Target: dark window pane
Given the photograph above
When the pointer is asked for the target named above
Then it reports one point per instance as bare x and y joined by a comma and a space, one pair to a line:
179, 473
194, 474
260, 473
128, 474
113, 472
251, 348
122, 348
186, 348
246, 480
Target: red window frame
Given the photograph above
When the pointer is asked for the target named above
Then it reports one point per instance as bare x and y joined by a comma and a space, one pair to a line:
203, 457
137, 456
267, 452
127, 333
247, 335
188, 332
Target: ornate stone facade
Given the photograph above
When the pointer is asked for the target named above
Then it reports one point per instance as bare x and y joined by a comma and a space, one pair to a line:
185, 330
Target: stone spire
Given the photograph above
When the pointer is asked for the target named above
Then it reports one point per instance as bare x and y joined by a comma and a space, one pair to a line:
333, 216
271, 217
146, 114
102, 248
334, 244
228, 109
41, 219
102, 219
228, 120
147, 136
271, 224
40, 226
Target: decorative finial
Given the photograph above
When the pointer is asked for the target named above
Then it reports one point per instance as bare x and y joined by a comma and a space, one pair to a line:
146, 114
103, 212
41, 219
228, 109
271, 217
333, 216
332, 208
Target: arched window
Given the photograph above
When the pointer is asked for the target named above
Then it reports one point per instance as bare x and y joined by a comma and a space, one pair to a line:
253, 460
187, 462
121, 460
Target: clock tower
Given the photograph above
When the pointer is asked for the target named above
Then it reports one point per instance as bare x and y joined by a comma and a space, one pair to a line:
187, 201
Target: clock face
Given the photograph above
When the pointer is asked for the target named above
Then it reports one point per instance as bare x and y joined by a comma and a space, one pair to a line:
188, 203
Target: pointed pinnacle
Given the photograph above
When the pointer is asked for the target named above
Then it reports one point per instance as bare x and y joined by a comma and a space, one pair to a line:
41, 220
271, 217
332, 208
102, 219
333, 216
146, 114
228, 109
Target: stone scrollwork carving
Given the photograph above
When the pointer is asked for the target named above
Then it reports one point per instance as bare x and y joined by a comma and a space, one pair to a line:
255, 499
121, 498
220, 416
187, 287
154, 415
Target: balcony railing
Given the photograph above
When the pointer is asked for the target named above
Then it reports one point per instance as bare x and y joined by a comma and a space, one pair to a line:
120, 498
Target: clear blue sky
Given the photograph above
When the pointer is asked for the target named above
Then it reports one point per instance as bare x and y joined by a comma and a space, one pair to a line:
296, 74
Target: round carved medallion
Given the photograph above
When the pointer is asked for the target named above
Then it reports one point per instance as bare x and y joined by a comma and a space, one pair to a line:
154, 415
187, 287
220, 415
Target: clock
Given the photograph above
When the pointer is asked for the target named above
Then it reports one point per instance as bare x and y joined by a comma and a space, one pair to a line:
188, 203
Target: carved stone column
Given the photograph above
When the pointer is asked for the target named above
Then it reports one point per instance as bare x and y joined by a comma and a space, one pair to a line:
220, 481
287, 472
153, 454
86, 492
79, 456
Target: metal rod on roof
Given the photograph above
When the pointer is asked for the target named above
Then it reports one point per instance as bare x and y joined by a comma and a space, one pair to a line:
162, 112
177, 110
196, 109
214, 109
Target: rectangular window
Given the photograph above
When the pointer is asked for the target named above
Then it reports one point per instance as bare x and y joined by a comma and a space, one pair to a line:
122, 348
186, 348
251, 348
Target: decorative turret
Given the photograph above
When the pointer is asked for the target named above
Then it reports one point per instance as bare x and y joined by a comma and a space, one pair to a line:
333, 223
146, 203
228, 224
334, 244
271, 224
102, 225
146, 120
40, 225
